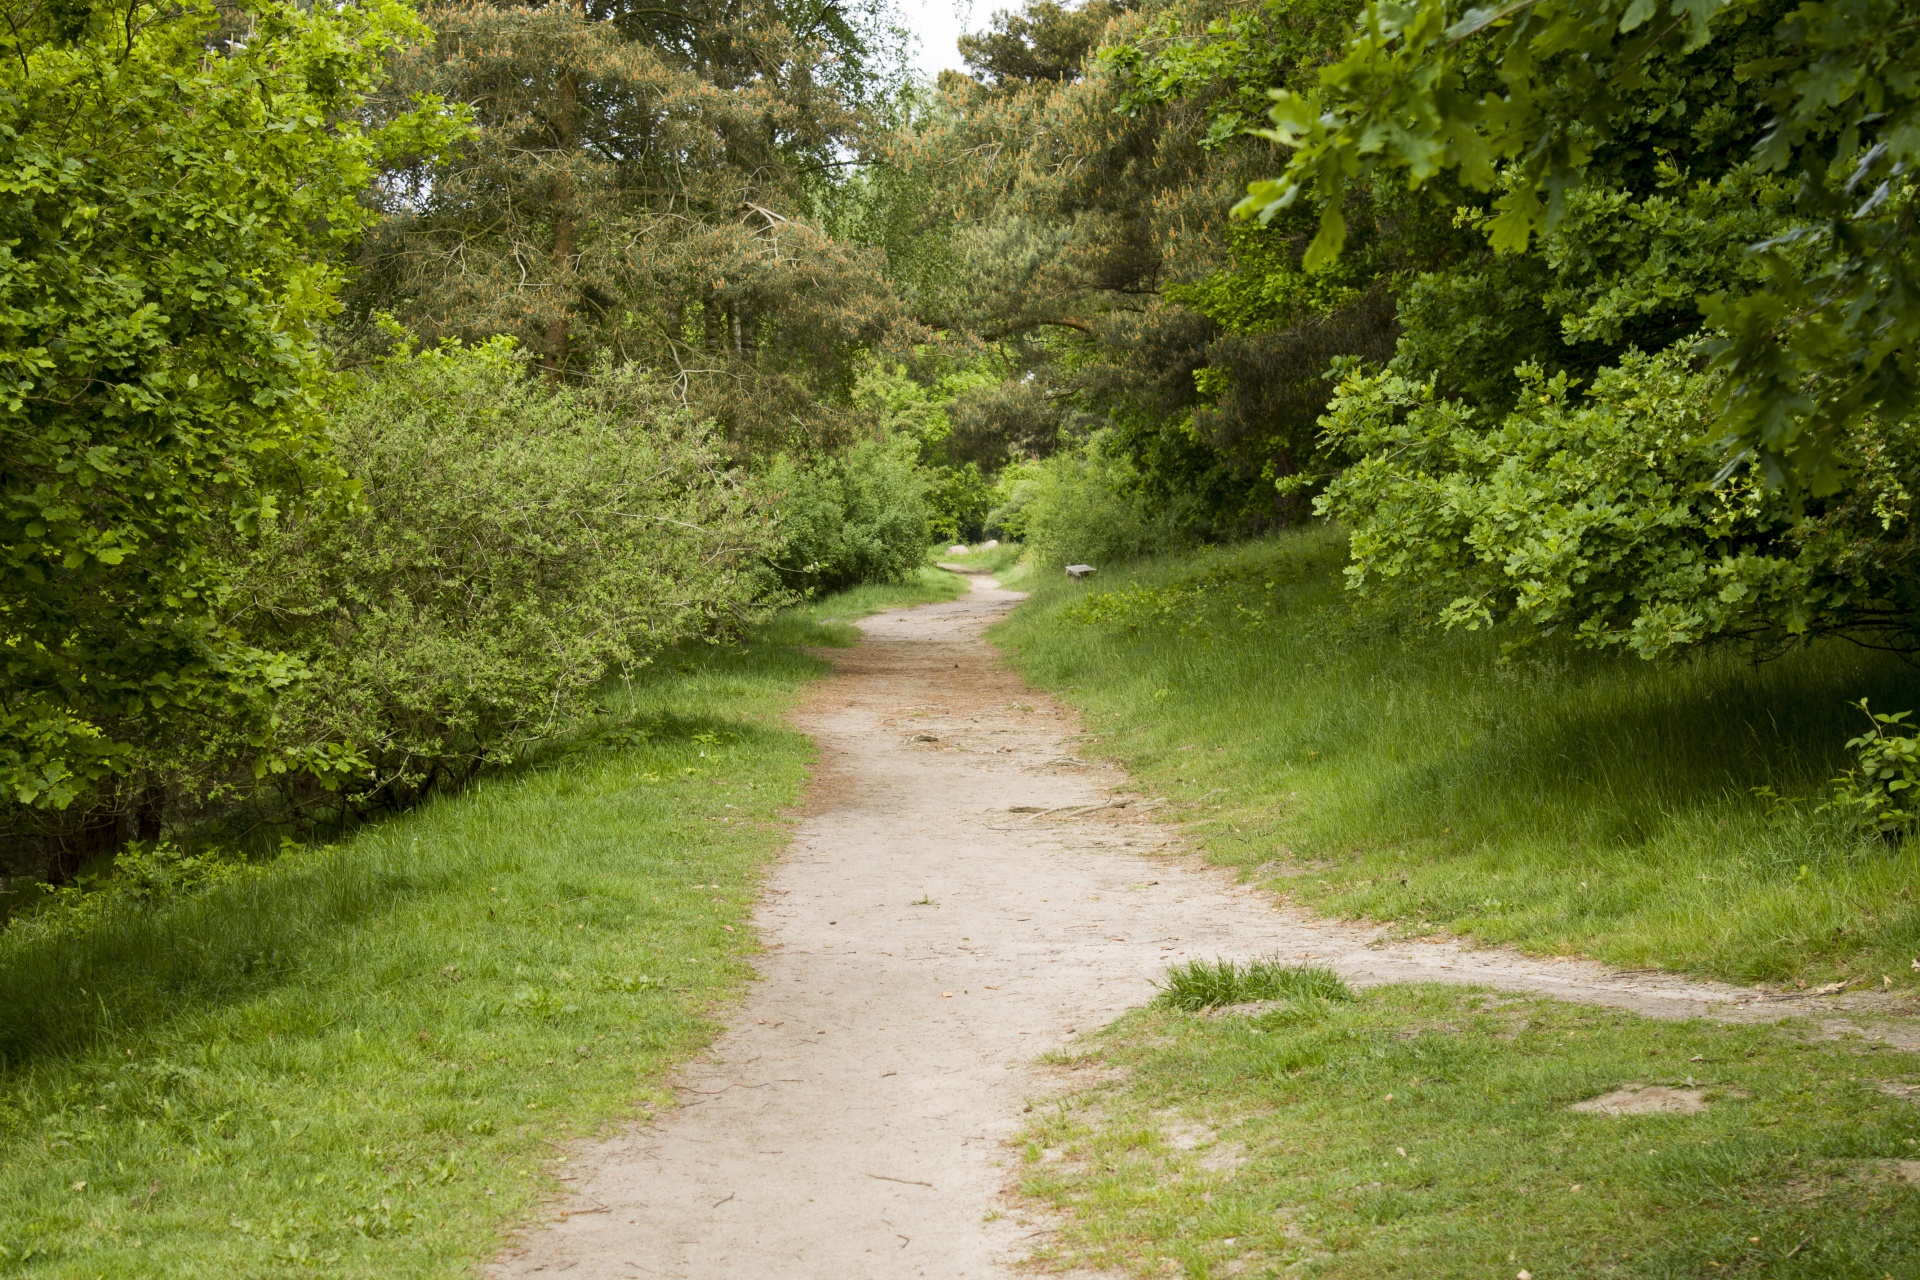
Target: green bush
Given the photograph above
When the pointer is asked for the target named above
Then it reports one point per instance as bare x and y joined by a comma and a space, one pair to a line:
515, 545
860, 517
1614, 514
1083, 504
959, 499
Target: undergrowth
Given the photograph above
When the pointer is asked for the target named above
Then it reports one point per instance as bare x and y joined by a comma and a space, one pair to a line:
1570, 802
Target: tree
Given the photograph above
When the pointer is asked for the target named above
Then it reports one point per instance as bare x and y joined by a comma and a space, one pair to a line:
179, 183
638, 186
1083, 168
1523, 97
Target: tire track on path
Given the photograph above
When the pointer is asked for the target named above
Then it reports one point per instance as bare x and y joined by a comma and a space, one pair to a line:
962, 895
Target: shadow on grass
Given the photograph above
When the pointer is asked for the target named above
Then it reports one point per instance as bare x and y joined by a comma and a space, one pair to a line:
71, 978
1544, 794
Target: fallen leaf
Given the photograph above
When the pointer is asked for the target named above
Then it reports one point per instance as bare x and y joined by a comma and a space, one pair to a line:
79, 1186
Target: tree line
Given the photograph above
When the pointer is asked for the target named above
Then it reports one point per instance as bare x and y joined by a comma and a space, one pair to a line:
382, 382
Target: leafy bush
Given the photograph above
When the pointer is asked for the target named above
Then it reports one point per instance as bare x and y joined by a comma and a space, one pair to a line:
173, 199
860, 517
1614, 516
1082, 505
1873, 794
959, 500
1198, 984
514, 545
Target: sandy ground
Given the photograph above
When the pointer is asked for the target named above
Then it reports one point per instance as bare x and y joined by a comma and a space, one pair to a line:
947, 913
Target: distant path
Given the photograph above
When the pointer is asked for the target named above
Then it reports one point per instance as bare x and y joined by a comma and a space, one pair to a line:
852, 1123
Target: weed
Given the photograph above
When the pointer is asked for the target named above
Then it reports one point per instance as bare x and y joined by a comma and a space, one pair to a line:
1888, 763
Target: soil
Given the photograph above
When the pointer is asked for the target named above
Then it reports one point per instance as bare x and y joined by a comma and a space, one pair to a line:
964, 895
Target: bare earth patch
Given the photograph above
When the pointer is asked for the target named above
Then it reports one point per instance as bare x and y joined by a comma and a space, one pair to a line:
1645, 1100
964, 894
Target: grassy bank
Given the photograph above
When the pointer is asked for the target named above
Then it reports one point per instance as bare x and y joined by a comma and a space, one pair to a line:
356, 1064
1425, 1132
1564, 801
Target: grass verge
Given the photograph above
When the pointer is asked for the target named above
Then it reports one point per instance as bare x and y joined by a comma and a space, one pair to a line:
357, 1063
1561, 800
1426, 1132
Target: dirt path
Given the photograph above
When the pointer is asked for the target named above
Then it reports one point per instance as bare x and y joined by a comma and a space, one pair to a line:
944, 916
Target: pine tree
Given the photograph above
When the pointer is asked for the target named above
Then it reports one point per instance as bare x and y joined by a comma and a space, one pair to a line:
636, 188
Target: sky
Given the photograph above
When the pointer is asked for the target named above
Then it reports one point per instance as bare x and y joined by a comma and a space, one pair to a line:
938, 23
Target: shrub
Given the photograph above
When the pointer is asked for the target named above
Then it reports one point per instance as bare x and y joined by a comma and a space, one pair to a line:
515, 544
1874, 795
860, 517
959, 500
1617, 516
1082, 505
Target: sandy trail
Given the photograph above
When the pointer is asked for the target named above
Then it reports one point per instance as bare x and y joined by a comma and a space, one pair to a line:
942, 918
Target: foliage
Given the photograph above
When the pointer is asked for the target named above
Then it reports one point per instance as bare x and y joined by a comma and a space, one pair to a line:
960, 500
854, 518
1887, 763
1598, 516
920, 406
178, 184
1082, 505
514, 544
1083, 179
1527, 98
1198, 984
640, 185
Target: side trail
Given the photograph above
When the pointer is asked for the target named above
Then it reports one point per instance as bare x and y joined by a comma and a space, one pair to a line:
962, 895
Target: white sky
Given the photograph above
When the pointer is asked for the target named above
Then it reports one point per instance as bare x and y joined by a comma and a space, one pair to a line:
938, 23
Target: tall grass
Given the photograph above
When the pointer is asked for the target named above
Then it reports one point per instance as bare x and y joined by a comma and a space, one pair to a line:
1552, 797
355, 1062
1203, 984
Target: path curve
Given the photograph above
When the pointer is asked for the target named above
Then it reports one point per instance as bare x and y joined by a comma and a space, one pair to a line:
951, 907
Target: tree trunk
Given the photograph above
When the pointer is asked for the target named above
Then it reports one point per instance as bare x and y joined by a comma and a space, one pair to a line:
566, 232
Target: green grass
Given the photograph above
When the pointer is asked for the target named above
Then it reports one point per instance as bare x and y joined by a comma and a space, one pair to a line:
994, 560
1424, 1132
1207, 984
358, 1062
1564, 801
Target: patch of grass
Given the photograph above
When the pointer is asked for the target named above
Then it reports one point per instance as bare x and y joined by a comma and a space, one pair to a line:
1204, 984
1425, 1132
358, 1063
1565, 801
